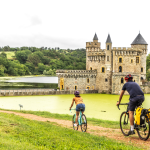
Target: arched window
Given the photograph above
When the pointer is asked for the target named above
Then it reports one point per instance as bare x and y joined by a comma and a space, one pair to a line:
142, 69
122, 81
107, 47
103, 69
120, 68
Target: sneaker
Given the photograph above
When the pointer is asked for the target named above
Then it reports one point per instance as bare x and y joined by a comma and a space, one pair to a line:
75, 125
131, 132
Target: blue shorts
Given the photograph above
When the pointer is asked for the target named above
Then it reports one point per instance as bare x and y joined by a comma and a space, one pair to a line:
81, 105
135, 101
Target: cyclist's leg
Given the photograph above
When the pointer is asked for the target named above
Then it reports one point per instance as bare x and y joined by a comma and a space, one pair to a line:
131, 117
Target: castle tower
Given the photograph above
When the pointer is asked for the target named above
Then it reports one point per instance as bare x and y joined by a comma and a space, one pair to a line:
140, 44
95, 39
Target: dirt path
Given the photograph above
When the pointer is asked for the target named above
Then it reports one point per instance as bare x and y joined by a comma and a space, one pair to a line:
96, 130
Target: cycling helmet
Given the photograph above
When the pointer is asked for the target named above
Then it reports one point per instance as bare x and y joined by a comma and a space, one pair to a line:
128, 77
76, 93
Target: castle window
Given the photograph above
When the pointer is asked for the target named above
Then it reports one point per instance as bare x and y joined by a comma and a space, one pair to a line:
107, 47
122, 81
137, 59
75, 87
88, 87
106, 80
90, 68
103, 69
107, 58
120, 60
131, 60
120, 68
141, 69
88, 80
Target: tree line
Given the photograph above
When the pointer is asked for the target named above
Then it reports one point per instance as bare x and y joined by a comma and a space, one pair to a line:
38, 61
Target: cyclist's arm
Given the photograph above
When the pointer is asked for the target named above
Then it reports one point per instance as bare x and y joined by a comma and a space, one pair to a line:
121, 94
72, 103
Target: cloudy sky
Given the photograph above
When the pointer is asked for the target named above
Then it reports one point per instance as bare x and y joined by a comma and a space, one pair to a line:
72, 23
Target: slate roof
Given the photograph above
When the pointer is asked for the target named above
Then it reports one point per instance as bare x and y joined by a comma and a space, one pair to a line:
95, 37
108, 39
139, 40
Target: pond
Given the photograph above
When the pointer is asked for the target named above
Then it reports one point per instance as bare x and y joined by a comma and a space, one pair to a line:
101, 106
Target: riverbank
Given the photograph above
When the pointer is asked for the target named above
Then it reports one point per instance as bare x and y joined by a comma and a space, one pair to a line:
29, 92
27, 131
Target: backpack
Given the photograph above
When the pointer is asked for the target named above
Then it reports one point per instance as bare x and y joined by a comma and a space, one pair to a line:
139, 116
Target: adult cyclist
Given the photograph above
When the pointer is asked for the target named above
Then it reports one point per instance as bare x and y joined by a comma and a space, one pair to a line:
79, 104
136, 96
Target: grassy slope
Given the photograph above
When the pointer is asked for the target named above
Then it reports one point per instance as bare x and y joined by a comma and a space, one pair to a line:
10, 55
17, 133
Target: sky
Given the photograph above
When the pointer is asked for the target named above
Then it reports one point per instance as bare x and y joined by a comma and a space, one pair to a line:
72, 23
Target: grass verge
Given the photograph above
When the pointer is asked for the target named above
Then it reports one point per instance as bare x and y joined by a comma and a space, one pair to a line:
92, 121
18, 133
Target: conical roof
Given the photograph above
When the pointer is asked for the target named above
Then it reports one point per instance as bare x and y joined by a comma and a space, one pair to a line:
139, 40
108, 39
95, 37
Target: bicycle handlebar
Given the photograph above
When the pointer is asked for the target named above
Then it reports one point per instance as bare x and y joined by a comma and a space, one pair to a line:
122, 104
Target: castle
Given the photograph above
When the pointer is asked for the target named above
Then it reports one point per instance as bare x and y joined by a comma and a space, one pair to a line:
106, 68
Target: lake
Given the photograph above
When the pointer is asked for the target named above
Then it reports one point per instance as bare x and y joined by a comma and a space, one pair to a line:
101, 106
33, 79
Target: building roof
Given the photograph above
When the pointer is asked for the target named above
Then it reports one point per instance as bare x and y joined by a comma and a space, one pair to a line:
95, 37
139, 40
108, 39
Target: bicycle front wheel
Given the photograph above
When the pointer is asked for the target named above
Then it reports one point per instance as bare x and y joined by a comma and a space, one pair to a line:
144, 129
73, 122
83, 123
124, 123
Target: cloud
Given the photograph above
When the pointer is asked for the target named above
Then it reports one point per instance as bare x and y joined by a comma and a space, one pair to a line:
35, 20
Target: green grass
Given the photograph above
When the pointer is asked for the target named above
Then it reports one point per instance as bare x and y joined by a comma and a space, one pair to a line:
17, 133
10, 55
93, 121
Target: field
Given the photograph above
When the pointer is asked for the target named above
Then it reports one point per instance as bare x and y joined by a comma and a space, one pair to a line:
10, 55
18, 133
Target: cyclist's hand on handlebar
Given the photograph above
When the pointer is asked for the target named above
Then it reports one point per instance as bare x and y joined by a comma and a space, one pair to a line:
117, 103
69, 108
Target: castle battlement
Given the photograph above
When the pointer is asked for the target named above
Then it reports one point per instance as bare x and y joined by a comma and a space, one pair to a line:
76, 73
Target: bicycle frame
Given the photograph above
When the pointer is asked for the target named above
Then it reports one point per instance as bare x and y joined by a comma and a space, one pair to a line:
79, 117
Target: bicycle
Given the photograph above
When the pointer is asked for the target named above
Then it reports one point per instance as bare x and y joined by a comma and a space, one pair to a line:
143, 130
81, 121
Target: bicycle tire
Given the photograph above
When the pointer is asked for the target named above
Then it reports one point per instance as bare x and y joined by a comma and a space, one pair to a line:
73, 122
142, 128
83, 123
124, 123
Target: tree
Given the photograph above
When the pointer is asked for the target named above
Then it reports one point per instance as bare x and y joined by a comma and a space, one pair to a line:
33, 58
41, 68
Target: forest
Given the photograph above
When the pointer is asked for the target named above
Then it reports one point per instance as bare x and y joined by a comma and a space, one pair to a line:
45, 61
40, 61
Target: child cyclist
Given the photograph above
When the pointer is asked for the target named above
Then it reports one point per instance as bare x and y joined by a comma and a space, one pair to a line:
136, 97
79, 104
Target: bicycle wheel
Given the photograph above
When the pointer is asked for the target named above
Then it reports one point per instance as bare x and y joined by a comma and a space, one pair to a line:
83, 123
73, 122
124, 123
144, 129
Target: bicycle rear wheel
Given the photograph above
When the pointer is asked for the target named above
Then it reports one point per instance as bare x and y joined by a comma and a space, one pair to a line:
73, 122
124, 123
83, 123
144, 129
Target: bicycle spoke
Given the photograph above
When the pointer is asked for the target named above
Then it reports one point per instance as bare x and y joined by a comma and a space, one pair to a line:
124, 123
73, 123
83, 123
144, 130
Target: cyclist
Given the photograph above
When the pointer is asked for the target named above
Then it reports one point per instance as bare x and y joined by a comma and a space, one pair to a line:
136, 97
79, 104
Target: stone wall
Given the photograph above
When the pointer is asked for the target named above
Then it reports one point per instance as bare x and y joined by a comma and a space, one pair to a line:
42, 92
